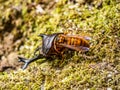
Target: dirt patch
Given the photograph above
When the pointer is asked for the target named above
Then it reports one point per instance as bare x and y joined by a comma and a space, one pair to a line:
8, 52
10, 62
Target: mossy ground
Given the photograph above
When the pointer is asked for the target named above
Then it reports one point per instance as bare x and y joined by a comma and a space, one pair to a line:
97, 69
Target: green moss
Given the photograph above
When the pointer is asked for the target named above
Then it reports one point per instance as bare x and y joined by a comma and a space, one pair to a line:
97, 69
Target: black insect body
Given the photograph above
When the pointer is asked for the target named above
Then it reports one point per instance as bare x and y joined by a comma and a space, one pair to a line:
56, 44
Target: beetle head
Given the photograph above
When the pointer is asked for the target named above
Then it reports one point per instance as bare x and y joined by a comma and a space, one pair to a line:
47, 42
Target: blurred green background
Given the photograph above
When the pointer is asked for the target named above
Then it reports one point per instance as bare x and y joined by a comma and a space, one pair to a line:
22, 20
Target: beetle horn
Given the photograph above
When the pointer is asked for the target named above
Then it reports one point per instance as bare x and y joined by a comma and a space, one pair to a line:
42, 35
28, 61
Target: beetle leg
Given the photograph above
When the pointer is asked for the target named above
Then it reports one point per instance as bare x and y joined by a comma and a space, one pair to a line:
62, 59
37, 49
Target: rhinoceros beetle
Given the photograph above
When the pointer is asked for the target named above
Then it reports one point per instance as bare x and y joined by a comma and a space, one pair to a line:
56, 44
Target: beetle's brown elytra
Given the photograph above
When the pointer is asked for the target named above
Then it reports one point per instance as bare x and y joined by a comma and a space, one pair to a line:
56, 44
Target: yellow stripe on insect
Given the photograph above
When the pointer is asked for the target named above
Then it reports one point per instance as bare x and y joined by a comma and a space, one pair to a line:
72, 41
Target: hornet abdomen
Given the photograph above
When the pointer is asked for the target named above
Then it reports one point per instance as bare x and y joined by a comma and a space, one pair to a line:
74, 42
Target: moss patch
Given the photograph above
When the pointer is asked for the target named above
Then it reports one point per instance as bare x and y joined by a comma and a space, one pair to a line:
97, 69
